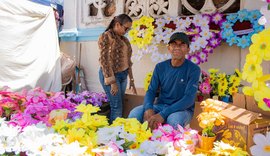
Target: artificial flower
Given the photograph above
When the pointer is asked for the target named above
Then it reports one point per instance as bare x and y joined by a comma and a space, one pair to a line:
142, 36
147, 80
233, 37
262, 144
252, 68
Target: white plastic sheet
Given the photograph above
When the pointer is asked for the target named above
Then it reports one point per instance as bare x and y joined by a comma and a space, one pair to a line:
29, 49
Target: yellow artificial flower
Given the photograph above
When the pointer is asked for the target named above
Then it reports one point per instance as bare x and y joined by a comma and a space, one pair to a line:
221, 76
213, 70
75, 135
261, 44
238, 73
252, 68
90, 141
147, 80
61, 126
248, 91
233, 89
87, 108
142, 31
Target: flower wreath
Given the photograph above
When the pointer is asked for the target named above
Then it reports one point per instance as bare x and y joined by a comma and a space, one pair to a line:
241, 37
203, 41
214, 41
252, 70
196, 28
142, 31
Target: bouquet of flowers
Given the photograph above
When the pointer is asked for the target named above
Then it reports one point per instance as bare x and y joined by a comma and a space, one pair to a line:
10, 102
223, 84
86, 97
204, 83
210, 116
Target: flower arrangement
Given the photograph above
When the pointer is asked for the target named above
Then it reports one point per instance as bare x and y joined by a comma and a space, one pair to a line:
223, 84
203, 40
221, 148
242, 37
147, 80
204, 83
253, 72
83, 130
142, 31
210, 116
35, 140
38, 105
10, 102
87, 97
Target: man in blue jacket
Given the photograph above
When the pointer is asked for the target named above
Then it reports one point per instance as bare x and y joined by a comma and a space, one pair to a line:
177, 79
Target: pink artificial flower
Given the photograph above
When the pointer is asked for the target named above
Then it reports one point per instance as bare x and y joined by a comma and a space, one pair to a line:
205, 87
266, 100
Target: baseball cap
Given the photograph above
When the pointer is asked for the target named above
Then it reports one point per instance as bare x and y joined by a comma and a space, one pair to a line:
179, 36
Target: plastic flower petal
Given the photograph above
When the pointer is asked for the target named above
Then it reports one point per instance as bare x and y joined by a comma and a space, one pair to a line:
262, 144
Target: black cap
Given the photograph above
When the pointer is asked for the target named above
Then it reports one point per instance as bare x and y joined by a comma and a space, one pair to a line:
179, 36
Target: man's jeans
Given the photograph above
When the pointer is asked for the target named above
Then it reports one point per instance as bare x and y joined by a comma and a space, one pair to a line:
178, 118
116, 101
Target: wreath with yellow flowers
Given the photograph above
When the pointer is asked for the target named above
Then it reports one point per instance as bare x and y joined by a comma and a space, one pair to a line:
142, 31
253, 72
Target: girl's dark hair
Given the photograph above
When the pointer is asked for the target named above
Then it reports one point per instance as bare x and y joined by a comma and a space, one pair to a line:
122, 19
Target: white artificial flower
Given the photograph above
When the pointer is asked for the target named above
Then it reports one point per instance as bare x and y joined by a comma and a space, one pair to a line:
197, 20
180, 25
194, 46
262, 145
9, 138
127, 136
73, 149
204, 23
265, 19
187, 22
137, 152
107, 134
160, 22
202, 42
156, 134
168, 19
206, 34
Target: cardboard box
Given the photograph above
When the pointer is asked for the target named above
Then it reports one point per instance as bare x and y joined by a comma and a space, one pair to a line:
194, 124
131, 100
252, 105
239, 100
240, 126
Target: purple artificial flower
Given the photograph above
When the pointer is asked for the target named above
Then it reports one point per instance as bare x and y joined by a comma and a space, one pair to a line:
203, 56
195, 59
208, 49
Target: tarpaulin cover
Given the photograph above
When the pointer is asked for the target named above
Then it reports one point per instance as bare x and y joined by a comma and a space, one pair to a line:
29, 48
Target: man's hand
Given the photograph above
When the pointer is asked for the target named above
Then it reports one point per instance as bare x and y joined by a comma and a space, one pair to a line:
148, 114
114, 89
155, 120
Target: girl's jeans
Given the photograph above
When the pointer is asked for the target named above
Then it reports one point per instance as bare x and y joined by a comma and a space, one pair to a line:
116, 101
